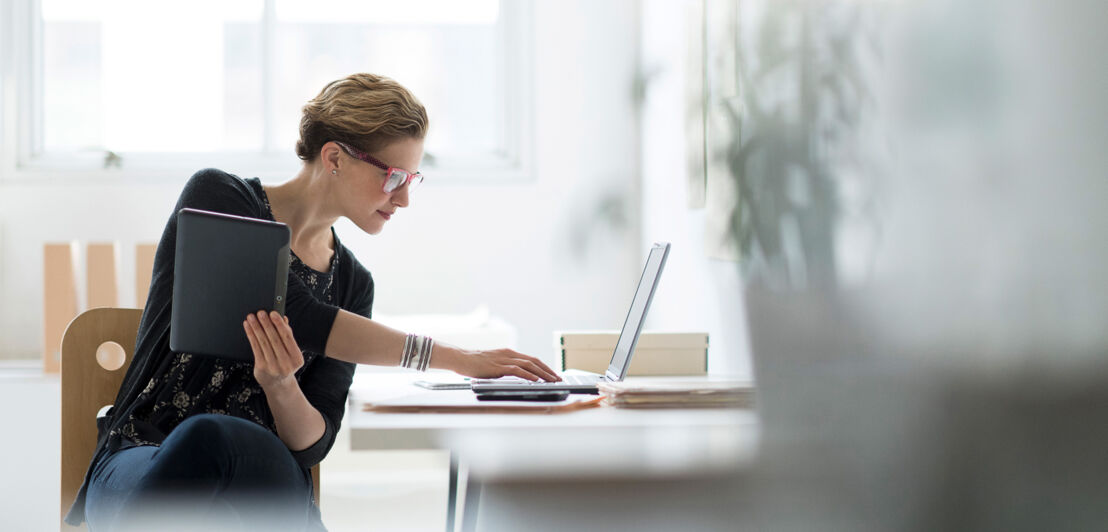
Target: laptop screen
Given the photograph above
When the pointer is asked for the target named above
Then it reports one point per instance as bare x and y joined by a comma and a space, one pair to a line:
629, 336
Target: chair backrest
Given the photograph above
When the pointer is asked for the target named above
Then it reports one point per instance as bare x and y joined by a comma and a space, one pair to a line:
97, 348
87, 386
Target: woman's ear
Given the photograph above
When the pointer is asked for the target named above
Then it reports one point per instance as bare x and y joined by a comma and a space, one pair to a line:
329, 154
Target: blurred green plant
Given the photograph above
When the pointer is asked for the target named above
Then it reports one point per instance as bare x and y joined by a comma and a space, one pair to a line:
804, 123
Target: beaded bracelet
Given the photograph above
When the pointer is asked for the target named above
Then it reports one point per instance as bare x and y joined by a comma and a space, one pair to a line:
417, 352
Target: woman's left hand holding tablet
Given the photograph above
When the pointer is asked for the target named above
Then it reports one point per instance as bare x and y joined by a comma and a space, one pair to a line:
276, 355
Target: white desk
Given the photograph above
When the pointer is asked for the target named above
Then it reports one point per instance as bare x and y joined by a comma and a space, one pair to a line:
594, 445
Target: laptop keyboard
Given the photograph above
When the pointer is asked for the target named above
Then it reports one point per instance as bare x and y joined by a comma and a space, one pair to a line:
566, 379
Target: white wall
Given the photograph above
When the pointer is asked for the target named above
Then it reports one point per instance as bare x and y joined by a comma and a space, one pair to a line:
696, 293
536, 252
31, 465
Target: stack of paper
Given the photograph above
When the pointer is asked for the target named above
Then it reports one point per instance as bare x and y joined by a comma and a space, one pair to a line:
678, 394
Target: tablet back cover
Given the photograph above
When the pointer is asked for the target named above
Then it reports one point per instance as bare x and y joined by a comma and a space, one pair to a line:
225, 268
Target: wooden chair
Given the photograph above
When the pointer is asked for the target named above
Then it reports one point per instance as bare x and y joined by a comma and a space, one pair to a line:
96, 351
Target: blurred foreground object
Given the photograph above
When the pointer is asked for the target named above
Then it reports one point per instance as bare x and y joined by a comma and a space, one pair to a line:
923, 189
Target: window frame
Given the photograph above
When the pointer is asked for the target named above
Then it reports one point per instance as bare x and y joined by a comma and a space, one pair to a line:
21, 117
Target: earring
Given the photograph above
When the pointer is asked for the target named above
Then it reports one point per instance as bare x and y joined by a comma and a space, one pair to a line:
334, 172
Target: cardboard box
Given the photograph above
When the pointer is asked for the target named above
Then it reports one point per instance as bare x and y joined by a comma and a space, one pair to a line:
657, 353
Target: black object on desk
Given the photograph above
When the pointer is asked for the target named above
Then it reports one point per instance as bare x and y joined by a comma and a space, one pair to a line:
524, 395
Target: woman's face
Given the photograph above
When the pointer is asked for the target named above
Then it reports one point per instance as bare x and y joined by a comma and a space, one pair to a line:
363, 197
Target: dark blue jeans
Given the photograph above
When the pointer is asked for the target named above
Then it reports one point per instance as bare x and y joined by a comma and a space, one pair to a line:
211, 473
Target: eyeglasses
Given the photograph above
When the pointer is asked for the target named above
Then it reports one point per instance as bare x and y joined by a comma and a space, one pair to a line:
395, 178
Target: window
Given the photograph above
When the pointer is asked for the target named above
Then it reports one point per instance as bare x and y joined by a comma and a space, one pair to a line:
133, 85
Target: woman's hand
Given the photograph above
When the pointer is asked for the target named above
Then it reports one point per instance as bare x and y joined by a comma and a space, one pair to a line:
276, 355
495, 363
276, 359
361, 340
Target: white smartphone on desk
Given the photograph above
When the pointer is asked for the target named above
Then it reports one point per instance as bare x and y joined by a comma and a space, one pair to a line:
444, 385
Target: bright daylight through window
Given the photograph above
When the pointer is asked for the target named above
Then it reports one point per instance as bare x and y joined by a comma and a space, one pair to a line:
210, 77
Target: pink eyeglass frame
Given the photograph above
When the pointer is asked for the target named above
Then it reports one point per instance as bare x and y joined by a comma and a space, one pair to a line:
389, 170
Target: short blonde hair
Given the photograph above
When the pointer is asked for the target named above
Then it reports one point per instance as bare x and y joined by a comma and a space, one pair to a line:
364, 110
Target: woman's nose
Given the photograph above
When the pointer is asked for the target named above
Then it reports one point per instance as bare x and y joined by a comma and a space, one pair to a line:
400, 196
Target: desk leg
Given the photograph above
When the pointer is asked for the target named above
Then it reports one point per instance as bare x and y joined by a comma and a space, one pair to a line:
473, 497
452, 497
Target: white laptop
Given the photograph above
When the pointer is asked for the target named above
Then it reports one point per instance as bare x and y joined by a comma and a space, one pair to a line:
584, 382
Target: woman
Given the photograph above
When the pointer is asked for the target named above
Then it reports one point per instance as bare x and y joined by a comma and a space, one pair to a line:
230, 444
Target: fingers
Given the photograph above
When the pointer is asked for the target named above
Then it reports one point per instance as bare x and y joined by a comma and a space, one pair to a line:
517, 371
284, 357
259, 357
273, 343
285, 332
539, 369
503, 362
531, 369
548, 374
260, 343
527, 370
270, 332
295, 355
533, 366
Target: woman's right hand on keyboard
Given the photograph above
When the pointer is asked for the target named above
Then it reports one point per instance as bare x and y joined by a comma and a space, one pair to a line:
491, 364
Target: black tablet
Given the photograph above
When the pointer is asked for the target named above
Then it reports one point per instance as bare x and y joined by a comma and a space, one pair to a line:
225, 268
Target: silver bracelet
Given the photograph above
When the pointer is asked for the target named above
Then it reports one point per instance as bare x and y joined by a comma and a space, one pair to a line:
417, 352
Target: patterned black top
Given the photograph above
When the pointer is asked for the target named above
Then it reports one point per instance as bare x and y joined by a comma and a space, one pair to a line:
162, 388
175, 394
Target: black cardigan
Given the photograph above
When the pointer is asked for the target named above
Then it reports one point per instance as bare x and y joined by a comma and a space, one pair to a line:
325, 382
